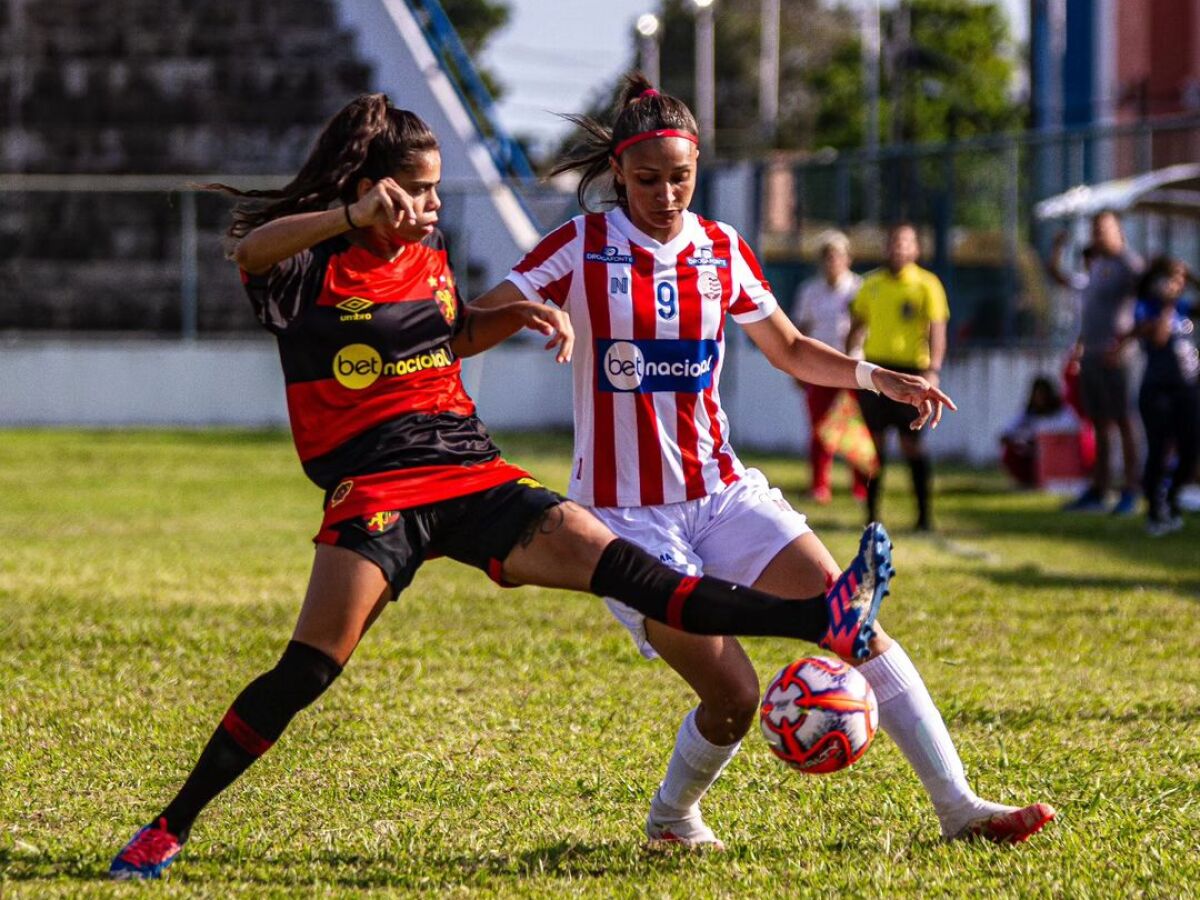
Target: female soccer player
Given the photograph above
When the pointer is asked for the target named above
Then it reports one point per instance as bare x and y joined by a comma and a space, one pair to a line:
345, 266
647, 285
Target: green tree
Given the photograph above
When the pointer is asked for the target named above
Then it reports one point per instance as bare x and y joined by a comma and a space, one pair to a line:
950, 77
476, 21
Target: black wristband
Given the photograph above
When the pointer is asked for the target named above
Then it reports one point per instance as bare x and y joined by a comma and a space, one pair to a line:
349, 221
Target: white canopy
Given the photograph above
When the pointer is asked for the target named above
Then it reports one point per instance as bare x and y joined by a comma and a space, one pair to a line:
1175, 189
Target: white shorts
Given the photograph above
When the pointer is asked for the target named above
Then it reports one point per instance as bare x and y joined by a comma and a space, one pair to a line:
732, 534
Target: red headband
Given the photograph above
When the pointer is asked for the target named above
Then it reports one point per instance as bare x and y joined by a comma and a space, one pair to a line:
651, 135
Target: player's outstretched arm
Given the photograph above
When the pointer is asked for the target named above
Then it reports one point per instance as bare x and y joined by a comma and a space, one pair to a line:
813, 362
487, 327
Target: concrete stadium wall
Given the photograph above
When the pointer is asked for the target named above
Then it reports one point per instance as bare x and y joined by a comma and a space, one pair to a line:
146, 383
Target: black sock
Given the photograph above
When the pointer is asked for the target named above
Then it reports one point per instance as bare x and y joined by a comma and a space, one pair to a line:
874, 486
702, 605
253, 723
921, 473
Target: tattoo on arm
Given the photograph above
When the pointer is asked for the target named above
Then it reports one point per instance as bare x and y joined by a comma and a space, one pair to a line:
547, 523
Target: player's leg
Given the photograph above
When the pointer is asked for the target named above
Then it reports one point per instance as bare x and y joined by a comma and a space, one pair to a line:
922, 475
908, 715
565, 546
346, 592
723, 677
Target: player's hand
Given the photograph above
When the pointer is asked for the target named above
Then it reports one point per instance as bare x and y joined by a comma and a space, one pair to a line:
386, 204
551, 321
915, 391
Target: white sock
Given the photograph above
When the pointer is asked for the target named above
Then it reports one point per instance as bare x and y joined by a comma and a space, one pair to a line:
907, 714
695, 765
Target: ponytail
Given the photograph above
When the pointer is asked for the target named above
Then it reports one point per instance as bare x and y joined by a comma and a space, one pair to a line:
367, 138
640, 109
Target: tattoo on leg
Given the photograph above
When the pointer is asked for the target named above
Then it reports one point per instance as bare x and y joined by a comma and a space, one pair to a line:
547, 523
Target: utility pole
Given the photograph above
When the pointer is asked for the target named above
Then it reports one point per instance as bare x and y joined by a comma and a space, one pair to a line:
869, 23
706, 76
768, 72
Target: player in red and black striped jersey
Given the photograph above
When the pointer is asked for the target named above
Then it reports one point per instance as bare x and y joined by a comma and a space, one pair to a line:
346, 267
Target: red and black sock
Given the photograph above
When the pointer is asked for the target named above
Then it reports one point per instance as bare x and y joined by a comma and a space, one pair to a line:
253, 723
702, 605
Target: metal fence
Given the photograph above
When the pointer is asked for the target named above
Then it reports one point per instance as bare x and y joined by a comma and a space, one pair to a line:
144, 254
973, 201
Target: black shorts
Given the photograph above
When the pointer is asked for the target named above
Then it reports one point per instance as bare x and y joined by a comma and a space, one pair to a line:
478, 529
881, 413
1104, 388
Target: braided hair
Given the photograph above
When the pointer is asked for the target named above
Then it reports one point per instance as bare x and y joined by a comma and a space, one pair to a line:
367, 138
640, 109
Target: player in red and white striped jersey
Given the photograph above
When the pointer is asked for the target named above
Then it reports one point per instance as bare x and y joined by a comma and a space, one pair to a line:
648, 286
649, 319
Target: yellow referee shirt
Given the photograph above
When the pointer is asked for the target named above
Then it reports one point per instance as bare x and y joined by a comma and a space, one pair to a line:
897, 310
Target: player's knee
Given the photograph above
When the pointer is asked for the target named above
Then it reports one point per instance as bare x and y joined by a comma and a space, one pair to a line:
734, 708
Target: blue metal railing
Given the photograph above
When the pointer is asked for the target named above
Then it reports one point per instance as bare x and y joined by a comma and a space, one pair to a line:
506, 152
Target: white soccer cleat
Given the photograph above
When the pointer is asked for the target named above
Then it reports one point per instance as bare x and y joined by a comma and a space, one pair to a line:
688, 833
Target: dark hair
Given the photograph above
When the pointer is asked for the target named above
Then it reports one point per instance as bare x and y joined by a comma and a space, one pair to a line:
640, 109
1043, 382
367, 138
1160, 267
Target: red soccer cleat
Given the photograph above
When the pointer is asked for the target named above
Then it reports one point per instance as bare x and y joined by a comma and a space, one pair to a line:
1013, 827
147, 854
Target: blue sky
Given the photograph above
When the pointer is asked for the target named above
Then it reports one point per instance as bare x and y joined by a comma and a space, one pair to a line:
555, 54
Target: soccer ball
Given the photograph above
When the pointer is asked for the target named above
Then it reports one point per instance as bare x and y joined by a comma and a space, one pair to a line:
819, 715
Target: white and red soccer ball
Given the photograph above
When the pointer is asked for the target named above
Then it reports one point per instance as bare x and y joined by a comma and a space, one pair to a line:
819, 715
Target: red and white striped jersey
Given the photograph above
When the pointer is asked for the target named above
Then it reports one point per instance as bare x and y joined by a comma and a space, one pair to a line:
649, 322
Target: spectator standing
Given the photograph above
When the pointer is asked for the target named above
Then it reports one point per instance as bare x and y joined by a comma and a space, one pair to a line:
822, 311
1105, 349
1169, 399
904, 312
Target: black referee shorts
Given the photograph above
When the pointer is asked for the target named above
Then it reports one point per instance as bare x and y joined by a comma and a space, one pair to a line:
478, 529
881, 413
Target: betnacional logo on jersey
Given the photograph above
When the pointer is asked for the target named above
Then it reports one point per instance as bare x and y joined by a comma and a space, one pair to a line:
355, 309
358, 366
650, 366
611, 254
704, 257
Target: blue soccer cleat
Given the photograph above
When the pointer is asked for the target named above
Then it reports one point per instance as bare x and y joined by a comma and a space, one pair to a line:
147, 854
854, 599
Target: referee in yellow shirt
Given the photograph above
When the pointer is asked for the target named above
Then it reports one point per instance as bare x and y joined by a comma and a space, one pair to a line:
904, 312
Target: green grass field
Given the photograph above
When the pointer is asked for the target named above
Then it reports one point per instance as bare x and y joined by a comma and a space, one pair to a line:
508, 742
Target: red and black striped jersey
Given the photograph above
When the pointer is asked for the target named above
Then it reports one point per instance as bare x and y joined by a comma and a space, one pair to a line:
373, 387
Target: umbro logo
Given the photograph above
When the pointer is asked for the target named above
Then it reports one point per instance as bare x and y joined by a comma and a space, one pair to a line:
355, 307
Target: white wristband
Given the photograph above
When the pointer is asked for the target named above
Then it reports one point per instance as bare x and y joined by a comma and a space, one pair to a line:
862, 374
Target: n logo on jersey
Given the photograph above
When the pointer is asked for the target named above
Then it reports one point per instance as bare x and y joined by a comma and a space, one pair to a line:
649, 366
